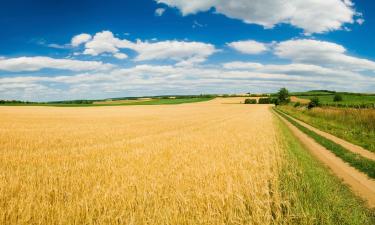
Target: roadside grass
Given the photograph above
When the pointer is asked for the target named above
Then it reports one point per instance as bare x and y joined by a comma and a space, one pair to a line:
315, 195
363, 164
150, 102
354, 125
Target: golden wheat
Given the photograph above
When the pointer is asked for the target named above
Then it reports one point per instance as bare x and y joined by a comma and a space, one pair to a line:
202, 163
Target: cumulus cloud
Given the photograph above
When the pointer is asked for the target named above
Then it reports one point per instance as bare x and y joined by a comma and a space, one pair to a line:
321, 53
181, 51
80, 39
159, 11
248, 47
40, 62
184, 52
313, 16
105, 42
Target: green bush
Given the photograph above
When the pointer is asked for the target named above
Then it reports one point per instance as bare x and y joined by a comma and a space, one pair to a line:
264, 101
314, 102
297, 104
337, 98
250, 101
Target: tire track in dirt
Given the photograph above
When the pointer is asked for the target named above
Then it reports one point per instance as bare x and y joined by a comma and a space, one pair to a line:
349, 146
360, 184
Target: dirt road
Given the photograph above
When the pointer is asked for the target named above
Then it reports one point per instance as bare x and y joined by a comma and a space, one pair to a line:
351, 147
358, 182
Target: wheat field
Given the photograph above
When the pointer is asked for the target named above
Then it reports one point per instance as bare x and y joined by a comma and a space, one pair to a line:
212, 162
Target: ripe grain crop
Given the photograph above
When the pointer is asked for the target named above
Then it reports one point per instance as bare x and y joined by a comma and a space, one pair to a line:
202, 163
215, 162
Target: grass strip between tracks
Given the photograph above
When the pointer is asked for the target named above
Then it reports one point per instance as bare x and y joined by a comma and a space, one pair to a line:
364, 165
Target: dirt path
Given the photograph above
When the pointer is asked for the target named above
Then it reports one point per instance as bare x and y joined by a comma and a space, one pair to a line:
359, 182
351, 147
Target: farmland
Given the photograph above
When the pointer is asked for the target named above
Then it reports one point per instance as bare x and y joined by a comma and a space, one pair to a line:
210, 162
115, 102
350, 100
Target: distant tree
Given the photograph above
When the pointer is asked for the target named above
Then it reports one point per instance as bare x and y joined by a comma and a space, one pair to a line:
337, 98
283, 96
264, 100
275, 101
314, 102
250, 101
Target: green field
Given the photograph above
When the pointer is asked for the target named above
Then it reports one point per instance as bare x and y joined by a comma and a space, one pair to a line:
157, 101
312, 93
349, 99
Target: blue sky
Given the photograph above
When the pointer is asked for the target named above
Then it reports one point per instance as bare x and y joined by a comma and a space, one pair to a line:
55, 50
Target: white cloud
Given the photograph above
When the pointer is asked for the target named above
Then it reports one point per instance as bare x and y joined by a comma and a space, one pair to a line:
321, 53
190, 6
248, 47
66, 46
360, 21
80, 39
120, 55
105, 42
242, 65
40, 62
313, 16
159, 11
197, 24
184, 52
181, 51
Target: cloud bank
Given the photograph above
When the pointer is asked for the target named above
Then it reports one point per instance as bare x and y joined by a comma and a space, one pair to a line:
41, 62
183, 67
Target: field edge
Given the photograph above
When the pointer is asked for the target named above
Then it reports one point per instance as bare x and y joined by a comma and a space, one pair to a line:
314, 194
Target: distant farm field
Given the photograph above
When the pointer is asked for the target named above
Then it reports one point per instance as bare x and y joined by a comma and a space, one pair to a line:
119, 102
140, 101
347, 99
198, 163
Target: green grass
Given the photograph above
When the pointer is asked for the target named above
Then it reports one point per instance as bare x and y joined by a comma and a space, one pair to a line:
354, 125
315, 195
311, 93
151, 102
169, 101
363, 164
